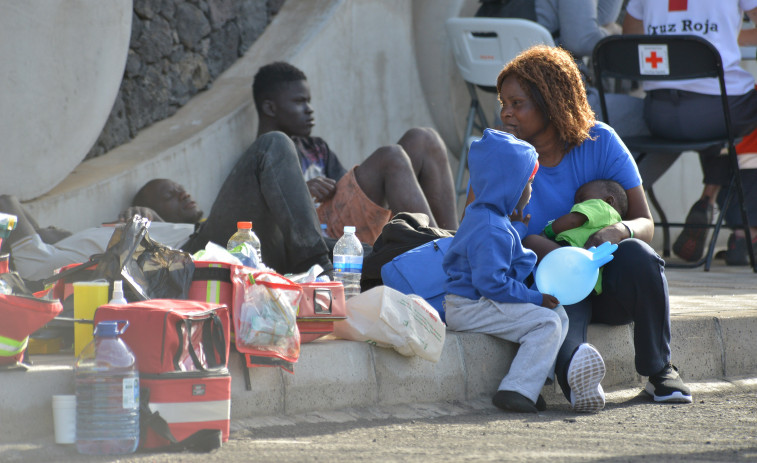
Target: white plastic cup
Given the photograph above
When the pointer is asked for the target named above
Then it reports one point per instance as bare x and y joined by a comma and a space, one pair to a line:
64, 417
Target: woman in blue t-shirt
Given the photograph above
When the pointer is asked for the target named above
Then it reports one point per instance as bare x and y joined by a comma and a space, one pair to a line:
544, 103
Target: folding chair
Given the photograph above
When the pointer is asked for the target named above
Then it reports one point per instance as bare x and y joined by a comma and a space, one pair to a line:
482, 47
672, 57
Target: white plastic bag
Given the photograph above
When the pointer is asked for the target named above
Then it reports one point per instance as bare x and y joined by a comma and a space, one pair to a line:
387, 318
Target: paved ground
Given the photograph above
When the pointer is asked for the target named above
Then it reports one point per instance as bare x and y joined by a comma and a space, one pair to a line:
721, 426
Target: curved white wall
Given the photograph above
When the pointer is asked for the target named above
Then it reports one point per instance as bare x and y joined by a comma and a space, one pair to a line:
375, 69
61, 67
361, 59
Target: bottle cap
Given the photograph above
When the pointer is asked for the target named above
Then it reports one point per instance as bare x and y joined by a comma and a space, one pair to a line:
244, 225
118, 290
107, 329
349, 229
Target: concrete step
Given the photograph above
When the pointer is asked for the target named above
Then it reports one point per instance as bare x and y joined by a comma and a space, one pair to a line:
336, 374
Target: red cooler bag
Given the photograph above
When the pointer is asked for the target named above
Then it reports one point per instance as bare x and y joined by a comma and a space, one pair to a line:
161, 332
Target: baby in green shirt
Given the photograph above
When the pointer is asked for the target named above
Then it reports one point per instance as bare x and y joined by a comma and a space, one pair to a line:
597, 204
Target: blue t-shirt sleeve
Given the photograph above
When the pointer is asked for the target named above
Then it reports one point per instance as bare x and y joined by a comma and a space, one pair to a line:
620, 165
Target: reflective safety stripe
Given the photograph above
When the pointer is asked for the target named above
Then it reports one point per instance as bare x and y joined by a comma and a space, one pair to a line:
193, 412
10, 347
213, 289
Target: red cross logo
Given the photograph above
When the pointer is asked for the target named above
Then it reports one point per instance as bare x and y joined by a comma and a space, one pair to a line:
653, 59
678, 5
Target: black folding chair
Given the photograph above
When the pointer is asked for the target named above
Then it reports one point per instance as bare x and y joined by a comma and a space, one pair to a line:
635, 57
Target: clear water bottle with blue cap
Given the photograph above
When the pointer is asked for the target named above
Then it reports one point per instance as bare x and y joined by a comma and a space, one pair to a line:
348, 262
107, 394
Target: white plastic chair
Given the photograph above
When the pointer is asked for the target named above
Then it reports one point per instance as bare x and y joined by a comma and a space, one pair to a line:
482, 47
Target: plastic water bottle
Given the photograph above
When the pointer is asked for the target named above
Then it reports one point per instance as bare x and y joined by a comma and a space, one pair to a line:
244, 234
348, 262
107, 394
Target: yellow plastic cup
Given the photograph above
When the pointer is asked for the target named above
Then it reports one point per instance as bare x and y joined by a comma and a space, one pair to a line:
88, 296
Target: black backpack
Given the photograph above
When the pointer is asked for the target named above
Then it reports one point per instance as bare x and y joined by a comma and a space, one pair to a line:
405, 231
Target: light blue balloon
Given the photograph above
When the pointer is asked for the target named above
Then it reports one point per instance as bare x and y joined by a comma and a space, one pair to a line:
570, 273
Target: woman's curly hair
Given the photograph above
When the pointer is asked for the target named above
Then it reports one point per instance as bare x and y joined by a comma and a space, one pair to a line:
550, 77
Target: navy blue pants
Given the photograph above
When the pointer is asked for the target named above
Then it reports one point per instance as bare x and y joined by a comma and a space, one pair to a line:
634, 290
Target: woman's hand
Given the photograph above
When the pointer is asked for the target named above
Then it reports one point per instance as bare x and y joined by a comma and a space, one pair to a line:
614, 233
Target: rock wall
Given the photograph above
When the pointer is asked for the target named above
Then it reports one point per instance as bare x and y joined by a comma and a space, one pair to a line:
177, 48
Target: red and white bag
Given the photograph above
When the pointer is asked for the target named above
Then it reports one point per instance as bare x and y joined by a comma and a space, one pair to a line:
182, 350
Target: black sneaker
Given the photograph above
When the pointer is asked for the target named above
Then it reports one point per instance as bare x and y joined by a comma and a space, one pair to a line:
689, 245
736, 254
667, 386
512, 401
541, 404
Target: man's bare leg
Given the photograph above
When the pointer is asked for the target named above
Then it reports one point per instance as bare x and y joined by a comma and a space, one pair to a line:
428, 155
387, 178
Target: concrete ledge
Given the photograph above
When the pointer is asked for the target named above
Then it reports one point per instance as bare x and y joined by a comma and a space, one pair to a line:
336, 374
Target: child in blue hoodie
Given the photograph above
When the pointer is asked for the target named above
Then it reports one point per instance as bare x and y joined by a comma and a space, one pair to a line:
486, 266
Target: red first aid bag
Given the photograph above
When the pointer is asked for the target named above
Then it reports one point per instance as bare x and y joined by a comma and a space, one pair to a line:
211, 282
22, 316
321, 305
186, 403
173, 334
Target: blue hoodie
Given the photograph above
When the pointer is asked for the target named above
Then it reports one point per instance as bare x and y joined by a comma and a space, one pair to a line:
486, 257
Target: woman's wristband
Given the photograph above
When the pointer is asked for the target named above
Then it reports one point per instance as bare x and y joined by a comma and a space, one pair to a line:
630, 232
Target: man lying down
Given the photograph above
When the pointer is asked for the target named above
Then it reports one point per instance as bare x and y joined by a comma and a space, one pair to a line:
36, 252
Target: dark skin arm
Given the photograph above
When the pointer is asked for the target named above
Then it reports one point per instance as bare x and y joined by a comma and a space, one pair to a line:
748, 37
632, 25
568, 221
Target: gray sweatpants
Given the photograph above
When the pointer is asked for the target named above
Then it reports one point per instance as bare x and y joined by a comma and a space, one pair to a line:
539, 331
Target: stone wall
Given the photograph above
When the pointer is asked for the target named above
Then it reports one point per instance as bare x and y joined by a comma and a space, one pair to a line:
177, 48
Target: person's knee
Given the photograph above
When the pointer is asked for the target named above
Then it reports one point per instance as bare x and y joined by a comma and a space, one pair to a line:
393, 159
634, 263
634, 252
273, 140
428, 142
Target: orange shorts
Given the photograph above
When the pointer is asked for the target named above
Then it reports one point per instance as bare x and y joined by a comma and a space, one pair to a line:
350, 206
